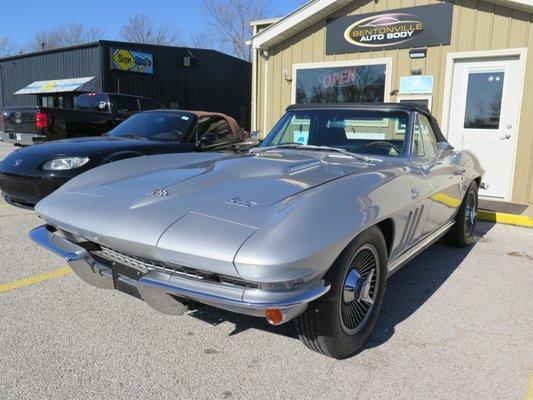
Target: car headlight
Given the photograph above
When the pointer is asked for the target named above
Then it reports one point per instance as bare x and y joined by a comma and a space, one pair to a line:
60, 164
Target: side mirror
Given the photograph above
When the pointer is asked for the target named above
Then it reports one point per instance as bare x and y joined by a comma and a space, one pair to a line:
443, 149
246, 144
208, 138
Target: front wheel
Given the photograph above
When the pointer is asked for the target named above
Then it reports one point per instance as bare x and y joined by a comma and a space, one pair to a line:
339, 323
463, 231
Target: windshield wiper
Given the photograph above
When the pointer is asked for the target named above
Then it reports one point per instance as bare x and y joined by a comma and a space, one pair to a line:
300, 146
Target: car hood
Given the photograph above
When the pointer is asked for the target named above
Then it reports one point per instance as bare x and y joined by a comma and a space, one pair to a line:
88, 146
154, 205
29, 160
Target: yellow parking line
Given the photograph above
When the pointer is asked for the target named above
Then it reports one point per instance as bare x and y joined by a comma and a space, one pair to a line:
529, 390
32, 280
503, 218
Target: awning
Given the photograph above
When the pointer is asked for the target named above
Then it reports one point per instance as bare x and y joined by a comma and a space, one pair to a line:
86, 84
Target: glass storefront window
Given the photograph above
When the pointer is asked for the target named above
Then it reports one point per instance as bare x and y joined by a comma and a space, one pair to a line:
483, 100
346, 84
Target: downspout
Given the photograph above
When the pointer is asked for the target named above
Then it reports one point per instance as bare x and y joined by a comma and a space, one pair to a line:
265, 97
254, 82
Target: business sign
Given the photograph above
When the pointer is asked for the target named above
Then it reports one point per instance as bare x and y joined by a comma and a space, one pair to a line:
86, 84
421, 26
134, 61
417, 84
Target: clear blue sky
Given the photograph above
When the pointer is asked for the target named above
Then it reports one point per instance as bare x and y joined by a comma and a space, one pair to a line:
21, 18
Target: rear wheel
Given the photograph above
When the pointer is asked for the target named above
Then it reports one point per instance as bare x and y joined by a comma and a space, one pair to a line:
339, 323
463, 231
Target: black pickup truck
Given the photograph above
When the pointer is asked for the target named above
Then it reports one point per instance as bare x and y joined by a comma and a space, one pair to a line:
93, 114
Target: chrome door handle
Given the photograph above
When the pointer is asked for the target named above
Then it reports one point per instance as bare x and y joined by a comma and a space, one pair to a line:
459, 171
506, 137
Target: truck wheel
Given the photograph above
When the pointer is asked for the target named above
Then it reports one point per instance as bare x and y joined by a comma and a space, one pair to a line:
340, 322
463, 231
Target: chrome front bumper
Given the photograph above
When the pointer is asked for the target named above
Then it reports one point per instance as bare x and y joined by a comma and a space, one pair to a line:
167, 292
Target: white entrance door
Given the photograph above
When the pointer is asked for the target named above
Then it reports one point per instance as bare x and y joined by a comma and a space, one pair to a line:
485, 102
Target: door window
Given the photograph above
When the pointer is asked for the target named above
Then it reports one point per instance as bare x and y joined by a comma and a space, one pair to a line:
483, 100
424, 139
217, 125
126, 104
149, 104
352, 84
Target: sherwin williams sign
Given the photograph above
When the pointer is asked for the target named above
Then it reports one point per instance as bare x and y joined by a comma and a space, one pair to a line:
135, 61
403, 28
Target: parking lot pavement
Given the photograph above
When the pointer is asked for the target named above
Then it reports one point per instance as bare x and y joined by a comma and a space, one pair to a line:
456, 324
5, 149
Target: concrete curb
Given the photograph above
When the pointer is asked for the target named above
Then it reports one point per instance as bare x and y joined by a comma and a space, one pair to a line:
503, 218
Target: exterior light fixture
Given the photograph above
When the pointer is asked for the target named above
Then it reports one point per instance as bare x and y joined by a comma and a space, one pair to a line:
418, 53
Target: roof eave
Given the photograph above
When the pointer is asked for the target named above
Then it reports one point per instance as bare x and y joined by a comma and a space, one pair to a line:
316, 10
311, 12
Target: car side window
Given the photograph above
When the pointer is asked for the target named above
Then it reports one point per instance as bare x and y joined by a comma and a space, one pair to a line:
217, 125
126, 104
91, 102
424, 140
149, 104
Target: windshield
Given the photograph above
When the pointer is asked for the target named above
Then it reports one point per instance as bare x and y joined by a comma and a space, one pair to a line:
155, 125
363, 132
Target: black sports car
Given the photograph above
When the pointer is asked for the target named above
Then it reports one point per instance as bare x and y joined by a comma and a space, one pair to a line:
29, 174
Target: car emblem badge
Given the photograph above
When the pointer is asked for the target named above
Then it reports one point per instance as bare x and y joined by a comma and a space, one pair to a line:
237, 201
158, 193
16, 163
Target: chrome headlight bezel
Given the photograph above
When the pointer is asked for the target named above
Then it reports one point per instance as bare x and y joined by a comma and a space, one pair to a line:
65, 163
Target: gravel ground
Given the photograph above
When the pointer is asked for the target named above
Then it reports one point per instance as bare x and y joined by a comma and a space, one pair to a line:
456, 324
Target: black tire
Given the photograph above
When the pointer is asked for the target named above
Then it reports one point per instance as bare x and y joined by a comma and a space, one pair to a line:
328, 325
463, 231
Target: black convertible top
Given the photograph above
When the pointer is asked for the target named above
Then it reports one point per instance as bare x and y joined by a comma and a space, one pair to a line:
362, 106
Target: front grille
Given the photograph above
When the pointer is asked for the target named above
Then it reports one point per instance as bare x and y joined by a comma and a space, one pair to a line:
144, 265
18, 187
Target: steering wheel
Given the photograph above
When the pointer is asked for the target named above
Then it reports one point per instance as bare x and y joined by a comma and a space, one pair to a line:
383, 143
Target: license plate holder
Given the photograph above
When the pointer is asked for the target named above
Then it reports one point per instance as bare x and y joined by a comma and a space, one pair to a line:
124, 285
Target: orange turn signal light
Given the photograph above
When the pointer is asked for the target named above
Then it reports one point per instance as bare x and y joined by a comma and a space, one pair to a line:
274, 316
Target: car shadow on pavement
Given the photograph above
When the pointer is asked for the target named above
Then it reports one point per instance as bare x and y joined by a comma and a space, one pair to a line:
406, 292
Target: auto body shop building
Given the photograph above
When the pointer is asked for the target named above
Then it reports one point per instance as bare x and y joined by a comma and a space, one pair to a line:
470, 62
178, 77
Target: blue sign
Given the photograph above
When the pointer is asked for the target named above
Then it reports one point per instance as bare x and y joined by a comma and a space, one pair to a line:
416, 84
135, 61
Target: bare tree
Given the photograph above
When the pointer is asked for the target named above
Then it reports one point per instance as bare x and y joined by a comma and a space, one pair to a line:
230, 22
200, 40
141, 29
62, 36
6, 47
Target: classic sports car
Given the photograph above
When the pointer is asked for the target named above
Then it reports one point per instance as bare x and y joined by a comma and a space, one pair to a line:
307, 227
29, 174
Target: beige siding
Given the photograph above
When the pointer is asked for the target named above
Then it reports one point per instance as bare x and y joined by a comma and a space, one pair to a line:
477, 25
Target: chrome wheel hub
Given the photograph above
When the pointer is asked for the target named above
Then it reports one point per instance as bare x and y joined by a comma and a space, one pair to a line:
359, 289
470, 213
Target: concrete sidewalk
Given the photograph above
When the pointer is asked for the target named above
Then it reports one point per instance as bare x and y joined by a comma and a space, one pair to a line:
506, 213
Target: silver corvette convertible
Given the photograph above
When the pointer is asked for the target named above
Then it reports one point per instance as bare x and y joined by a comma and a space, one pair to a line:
306, 227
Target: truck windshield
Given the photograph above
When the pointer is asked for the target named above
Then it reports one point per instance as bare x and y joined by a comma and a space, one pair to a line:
155, 125
91, 102
358, 131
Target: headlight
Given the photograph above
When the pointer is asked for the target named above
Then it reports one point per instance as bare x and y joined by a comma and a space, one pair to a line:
60, 164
